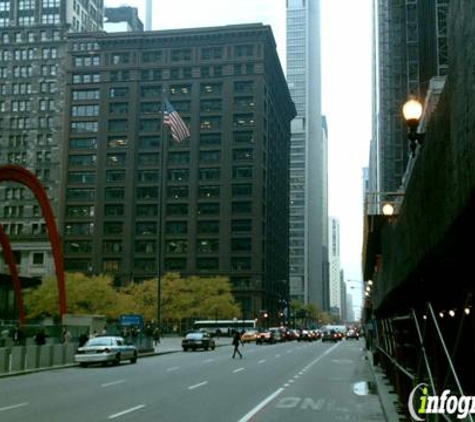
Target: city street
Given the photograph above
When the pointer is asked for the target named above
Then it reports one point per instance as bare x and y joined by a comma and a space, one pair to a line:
289, 381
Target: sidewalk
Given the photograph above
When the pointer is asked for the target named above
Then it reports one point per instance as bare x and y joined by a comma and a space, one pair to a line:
387, 398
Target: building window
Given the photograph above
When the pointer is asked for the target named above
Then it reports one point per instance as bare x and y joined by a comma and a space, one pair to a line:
84, 127
244, 189
242, 172
207, 263
211, 53
147, 210
177, 209
242, 207
114, 193
81, 177
209, 191
180, 55
176, 227
147, 228
241, 263
79, 228
78, 194
207, 245
178, 175
152, 56
177, 192
78, 246
211, 88
208, 227
118, 125
85, 94
151, 108
111, 265
178, 157
246, 50
145, 246
241, 225
118, 108
148, 176
122, 92
245, 154
112, 246
147, 192
175, 264
116, 159
145, 264
113, 227
114, 176
210, 123
209, 174
113, 210
149, 142
80, 211
243, 87
210, 156
243, 137
241, 244
208, 208
114, 142
150, 125
149, 159
176, 246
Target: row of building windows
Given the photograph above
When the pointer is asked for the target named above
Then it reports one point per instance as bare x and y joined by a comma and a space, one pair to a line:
30, 36
171, 264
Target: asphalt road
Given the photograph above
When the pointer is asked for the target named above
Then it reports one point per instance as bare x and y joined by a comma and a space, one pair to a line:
283, 382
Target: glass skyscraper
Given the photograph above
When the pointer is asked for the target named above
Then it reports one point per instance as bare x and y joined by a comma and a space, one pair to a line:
308, 170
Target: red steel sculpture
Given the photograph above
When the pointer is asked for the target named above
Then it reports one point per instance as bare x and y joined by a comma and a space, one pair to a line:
13, 173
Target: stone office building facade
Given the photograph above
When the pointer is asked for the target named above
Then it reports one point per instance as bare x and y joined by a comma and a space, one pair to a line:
216, 203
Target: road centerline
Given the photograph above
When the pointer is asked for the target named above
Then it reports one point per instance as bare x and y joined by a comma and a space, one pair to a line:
238, 370
262, 404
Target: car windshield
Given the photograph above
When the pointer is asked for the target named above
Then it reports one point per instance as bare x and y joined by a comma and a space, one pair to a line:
104, 341
194, 336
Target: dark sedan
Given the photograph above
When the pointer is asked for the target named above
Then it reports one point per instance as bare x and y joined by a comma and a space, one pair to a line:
195, 341
331, 335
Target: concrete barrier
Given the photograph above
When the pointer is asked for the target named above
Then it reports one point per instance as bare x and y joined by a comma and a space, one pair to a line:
4, 360
17, 358
69, 352
46, 356
58, 354
32, 357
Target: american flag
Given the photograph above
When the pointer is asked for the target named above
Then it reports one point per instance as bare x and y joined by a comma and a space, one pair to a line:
172, 119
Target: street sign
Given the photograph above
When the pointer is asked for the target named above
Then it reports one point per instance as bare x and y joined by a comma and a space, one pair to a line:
131, 320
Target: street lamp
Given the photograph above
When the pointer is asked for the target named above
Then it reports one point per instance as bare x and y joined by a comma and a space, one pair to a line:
412, 111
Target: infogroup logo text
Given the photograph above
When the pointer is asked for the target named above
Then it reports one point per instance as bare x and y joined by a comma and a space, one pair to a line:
443, 404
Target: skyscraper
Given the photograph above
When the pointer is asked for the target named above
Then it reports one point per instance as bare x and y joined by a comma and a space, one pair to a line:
335, 267
308, 169
32, 53
213, 204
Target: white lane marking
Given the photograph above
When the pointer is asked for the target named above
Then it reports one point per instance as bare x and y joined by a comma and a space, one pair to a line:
263, 403
286, 385
174, 368
108, 384
208, 360
124, 412
238, 370
261, 361
296, 376
277, 356
291, 381
14, 406
197, 385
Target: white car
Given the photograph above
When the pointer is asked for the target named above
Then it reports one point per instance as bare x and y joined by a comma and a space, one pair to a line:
105, 349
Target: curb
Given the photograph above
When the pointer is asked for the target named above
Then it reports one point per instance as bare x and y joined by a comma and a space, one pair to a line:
387, 399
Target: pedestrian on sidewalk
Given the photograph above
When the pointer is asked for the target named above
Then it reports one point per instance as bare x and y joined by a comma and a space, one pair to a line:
236, 342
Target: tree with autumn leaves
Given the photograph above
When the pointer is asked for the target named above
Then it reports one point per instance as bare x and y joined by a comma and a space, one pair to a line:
181, 298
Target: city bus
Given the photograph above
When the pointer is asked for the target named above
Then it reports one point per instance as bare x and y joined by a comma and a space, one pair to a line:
224, 327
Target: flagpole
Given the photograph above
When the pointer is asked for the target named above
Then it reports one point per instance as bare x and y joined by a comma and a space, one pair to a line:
161, 213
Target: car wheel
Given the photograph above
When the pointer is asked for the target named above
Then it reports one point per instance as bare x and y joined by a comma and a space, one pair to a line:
213, 346
116, 360
84, 365
194, 349
185, 349
134, 358
206, 348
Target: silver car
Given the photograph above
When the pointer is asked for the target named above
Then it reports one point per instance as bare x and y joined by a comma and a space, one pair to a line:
105, 349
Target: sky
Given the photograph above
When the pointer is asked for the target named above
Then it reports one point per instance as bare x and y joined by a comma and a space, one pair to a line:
346, 91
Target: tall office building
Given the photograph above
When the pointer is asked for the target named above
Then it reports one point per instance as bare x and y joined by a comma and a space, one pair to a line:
308, 161
411, 45
32, 52
335, 267
214, 204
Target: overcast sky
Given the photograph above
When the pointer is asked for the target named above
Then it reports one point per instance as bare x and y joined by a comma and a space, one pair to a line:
346, 89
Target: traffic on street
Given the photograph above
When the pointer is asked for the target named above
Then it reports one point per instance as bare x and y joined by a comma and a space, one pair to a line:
298, 381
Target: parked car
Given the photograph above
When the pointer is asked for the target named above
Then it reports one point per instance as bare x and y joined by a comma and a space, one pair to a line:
352, 334
331, 335
249, 336
105, 349
198, 340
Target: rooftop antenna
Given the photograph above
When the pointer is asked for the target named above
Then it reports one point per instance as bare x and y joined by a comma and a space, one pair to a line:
148, 15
